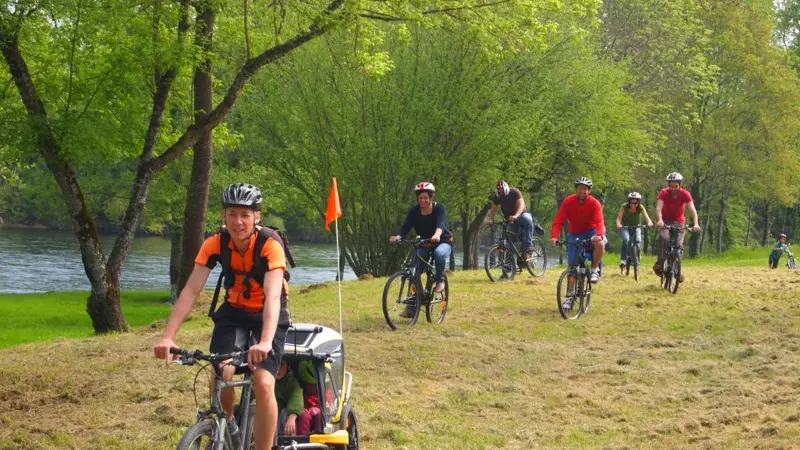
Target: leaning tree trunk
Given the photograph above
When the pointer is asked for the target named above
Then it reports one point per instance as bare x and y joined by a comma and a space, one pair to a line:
103, 304
471, 238
695, 246
723, 207
194, 218
175, 264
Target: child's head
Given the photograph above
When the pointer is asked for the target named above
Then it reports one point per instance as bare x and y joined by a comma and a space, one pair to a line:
283, 369
782, 238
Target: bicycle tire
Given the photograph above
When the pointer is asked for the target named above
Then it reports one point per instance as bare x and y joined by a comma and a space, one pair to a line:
394, 305
676, 274
666, 275
436, 308
636, 262
536, 263
791, 263
563, 292
193, 439
352, 433
500, 264
586, 294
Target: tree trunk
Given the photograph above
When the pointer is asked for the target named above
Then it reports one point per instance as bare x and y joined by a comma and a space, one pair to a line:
721, 219
706, 234
749, 220
103, 304
175, 264
471, 238
694, 240
194, 218
765, 236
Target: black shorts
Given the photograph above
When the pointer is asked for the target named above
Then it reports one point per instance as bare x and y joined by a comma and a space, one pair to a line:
234, 328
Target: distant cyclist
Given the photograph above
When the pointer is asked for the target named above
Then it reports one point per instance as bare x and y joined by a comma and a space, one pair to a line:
585, 216
672, 201
513, 207
777, 251
429, 220
630, 215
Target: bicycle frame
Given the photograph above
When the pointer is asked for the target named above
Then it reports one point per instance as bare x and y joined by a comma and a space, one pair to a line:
506, 240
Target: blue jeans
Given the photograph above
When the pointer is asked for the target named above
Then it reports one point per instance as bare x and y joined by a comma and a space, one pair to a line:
440, 256
572, 249
524, 226
626, 237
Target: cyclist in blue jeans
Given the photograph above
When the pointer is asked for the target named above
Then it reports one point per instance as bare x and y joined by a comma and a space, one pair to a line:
429, 220
513, 206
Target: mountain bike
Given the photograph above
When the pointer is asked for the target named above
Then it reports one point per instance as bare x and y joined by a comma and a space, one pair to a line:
504, 259
790, 261
574, 290
211, 430
410, 287
672, 272
634, 251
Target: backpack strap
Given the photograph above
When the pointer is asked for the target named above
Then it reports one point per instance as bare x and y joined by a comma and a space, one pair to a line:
225, 260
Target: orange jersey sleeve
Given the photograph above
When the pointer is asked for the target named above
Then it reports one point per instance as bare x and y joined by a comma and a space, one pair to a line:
209, 254
276, 257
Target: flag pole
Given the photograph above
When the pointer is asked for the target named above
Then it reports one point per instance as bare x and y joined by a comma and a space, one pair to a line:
339, 276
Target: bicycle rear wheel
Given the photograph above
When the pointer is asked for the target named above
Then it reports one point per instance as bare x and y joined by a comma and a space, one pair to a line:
568, 300
500, 264
436, 306
400, 300
676, 274
200, 436
536, 261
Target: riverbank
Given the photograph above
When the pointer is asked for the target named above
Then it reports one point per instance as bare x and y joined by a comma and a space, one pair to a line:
711, 367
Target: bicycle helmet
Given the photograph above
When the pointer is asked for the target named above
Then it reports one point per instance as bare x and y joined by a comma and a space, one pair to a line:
675, 176
781, 236
584, 181
242, 194
634, 196
502, 188
424, 187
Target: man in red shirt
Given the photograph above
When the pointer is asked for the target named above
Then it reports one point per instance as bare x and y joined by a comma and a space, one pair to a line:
672, 201
585, 216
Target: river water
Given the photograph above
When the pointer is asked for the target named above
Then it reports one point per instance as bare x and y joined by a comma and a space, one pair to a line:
46, 260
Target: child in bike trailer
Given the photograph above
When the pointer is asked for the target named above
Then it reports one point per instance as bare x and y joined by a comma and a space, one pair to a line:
296, 419
777, 251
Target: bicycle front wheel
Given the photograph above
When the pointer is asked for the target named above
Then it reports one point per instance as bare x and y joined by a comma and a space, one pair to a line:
791, 263
200, 436
500, 264
636, 262
568, 300
400, 300
676, 274
666, 275
436, 308
536, 260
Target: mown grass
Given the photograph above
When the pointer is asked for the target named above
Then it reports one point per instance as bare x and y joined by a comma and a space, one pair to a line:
714, 366
48, 316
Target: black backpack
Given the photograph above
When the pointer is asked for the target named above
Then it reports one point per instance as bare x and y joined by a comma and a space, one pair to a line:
260, 263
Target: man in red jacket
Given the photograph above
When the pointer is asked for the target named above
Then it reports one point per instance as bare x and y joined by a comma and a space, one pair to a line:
585, 216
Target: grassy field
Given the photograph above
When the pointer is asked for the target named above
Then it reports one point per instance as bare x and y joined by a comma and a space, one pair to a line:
54, 315
714, 366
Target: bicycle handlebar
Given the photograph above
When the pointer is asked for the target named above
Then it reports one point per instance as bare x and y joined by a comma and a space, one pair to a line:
190, 357
414, 242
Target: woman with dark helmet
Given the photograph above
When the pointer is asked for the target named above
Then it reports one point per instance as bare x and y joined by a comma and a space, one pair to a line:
429, 220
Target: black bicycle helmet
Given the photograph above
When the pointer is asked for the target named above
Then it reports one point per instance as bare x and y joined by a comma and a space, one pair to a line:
242, 194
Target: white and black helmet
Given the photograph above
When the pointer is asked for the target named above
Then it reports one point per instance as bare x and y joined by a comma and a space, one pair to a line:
242, 194
675, 176
424, 187
502, 188
634, 196
584, 181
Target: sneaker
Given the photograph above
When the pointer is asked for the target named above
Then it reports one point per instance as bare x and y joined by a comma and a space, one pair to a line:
407, 313
233, 431
680, 277
595, 277
622, 267
439, 287
567, 304
657, 269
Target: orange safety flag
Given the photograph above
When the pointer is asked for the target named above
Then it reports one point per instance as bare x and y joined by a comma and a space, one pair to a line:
334, 210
